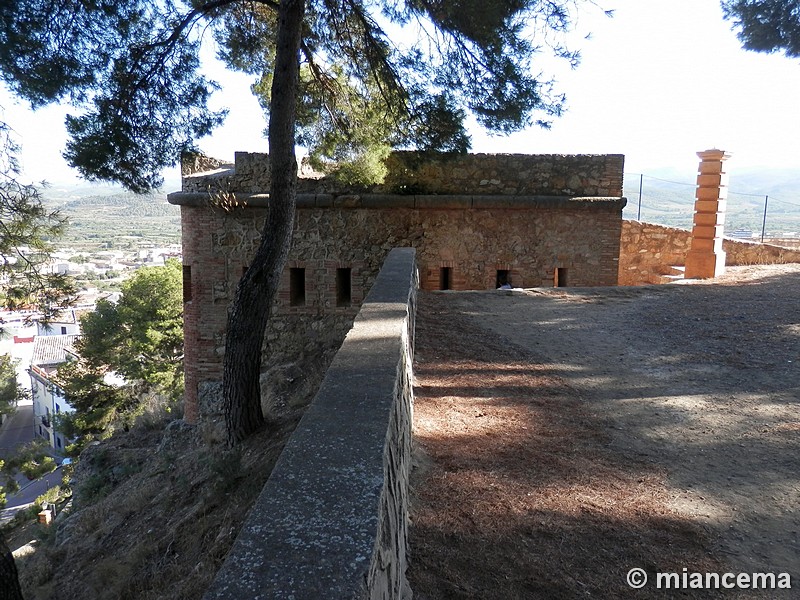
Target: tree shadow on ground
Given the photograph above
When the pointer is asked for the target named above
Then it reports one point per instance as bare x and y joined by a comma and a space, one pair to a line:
528, 492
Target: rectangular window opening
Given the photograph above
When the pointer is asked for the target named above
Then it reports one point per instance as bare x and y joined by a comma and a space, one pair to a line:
560, 277
503, 279
297, 286
344, 288
63, 331
446, 278
187, 283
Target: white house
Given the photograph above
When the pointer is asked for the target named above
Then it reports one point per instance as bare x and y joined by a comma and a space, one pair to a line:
66, 323
17, 334
49, 351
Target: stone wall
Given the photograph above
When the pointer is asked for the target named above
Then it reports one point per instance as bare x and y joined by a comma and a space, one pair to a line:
530, 243
414, 173
648, 251
464, 240
331, 522
216, 250
193, 162
740, 252
506, 174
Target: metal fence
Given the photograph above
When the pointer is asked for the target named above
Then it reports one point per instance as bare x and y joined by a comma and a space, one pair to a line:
748, 215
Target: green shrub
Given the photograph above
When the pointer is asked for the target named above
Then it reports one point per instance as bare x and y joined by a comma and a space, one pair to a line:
52, 496
34, 469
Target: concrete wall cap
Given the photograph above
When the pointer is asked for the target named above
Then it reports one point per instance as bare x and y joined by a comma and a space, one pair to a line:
313, 532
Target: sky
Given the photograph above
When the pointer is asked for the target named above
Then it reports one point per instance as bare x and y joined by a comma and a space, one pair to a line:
658, 82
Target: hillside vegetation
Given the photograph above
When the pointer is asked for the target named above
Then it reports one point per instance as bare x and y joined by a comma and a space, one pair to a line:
113, 219
668, 198
148, 521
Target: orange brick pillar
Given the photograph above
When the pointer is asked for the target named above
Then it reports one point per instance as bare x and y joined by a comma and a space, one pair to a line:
706, 258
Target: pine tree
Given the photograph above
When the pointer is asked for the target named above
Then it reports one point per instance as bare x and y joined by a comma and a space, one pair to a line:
766, 25
336, 75
27, 230
9, 580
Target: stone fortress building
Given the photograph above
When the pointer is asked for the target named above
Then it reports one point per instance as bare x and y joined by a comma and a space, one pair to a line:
476, 222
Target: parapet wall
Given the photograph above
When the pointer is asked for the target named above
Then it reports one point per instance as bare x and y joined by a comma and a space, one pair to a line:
740, 252
648, 251
331, 521
429, 173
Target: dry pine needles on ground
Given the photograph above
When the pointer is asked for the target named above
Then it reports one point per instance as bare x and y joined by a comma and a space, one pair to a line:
517, 493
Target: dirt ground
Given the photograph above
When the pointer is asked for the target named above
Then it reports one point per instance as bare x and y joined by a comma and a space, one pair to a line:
566, 436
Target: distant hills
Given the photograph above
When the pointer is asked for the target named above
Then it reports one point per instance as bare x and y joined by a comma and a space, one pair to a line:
668, 199
109, 217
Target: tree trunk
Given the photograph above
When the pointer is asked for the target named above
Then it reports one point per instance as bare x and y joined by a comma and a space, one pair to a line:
9, 580
249, 313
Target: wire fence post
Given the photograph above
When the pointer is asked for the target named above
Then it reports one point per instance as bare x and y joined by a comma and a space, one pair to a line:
639, 214
764, 222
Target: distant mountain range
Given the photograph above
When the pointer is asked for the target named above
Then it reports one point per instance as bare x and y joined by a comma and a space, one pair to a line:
69, 191
667, 198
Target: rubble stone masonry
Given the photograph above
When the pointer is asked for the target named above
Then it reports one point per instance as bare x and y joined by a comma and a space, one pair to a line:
648, 252
474, 220
415, 173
